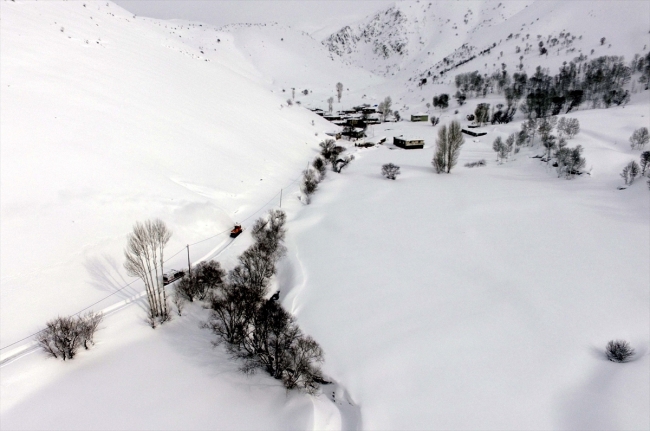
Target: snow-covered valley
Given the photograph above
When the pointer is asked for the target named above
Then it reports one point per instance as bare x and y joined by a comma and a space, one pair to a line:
482, 299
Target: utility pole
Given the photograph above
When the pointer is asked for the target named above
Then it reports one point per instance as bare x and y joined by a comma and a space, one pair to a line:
280, 198
189, 265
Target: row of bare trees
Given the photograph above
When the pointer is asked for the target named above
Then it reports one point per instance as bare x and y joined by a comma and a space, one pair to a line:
312, 176
144, 259
256, 330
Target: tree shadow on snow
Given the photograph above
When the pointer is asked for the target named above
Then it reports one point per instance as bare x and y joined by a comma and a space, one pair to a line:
105, 275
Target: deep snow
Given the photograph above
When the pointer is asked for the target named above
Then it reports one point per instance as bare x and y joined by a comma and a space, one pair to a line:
476, 300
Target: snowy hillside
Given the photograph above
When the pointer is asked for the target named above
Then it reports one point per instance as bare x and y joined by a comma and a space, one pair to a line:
482, 299
389, 40
106, 120
414, 36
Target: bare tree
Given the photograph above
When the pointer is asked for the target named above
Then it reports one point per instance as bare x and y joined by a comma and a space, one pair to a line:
569, 161
645, 161
450, 140
456, 141
482, 113
303, 371
339, 91
330, 152
390, 171
500, 148
88, 324
384, 108
63, 336
179, 301
204, 278
549, 142
442, 143
569, 127
630, 172
309, 184
639, 138
144, 259
319, 165
330, 103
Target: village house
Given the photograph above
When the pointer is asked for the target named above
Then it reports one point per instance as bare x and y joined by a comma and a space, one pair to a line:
420, 116
408, 143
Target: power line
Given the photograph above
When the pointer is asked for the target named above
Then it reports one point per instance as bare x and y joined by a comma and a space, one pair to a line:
166, 260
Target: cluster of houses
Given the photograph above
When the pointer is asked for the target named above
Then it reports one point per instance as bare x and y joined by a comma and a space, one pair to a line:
355, 121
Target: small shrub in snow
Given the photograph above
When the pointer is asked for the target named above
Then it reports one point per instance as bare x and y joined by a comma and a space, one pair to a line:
289, 102
319, 165
435, 120
630, 172
460, 98
339, 164
63, 336
390, 171
441, 101
639, 138
309, 184
619, 351
475, 164
179, 302
470, 117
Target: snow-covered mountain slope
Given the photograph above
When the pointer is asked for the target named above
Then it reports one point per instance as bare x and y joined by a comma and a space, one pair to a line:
389, 40
282, 58
438, 42
415, 37
107, 120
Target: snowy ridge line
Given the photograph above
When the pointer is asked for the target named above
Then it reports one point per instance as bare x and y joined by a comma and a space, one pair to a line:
32, 346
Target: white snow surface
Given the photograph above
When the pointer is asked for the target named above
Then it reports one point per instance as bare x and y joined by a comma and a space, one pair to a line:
482, 299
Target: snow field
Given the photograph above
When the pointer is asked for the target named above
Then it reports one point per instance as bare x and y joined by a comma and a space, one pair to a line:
481, 299
98, 136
